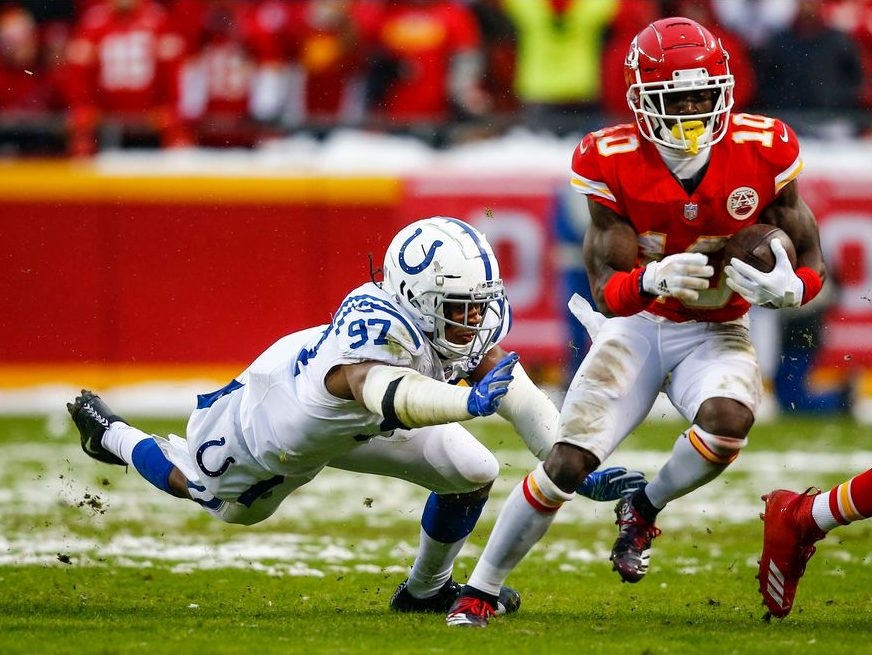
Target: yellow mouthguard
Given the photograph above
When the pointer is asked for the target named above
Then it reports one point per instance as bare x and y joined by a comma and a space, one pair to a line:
690, 132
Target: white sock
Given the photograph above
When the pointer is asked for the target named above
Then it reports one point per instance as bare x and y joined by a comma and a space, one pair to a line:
432, 566
520, 525
822, 514
120, 439
697, 457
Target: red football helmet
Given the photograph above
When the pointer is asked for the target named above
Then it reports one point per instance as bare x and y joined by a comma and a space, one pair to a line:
673, 56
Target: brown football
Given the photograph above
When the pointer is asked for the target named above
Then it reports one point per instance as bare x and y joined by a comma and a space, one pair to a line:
751, 245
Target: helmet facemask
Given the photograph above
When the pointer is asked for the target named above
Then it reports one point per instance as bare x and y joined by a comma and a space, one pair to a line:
686, 132
487, 303
675, 56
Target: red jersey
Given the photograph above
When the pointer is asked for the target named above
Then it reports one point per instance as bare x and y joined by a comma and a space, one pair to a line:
124, 61
218, 56
422, 38
327, 41
757, 157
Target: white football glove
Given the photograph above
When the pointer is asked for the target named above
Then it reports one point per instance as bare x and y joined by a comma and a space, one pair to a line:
682, 275
591, 319
776, 289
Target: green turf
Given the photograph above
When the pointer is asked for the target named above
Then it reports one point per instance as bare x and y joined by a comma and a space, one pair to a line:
700, 596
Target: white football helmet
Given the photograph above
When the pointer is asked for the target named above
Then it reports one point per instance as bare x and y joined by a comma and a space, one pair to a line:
440, 266
678, 55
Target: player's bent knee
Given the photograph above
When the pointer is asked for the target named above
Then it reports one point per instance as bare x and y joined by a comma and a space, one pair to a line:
468, 466
726, 417
567, 465
238, 514
480, 474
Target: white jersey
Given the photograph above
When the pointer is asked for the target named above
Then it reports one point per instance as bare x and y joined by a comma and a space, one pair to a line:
277, 417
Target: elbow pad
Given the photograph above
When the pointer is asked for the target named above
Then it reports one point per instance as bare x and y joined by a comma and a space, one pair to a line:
406, 399
531, 412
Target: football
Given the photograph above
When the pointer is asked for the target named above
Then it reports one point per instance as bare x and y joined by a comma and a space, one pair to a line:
751, 245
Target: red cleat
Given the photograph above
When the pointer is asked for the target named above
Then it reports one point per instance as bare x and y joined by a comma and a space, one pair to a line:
789, 533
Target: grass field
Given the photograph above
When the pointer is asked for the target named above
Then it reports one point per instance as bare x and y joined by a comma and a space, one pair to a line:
93, 560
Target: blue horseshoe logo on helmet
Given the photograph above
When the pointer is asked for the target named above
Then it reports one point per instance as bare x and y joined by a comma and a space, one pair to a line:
202, 449
428, 256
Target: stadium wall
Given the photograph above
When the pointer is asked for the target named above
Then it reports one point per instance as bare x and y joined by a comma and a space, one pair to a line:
118, 277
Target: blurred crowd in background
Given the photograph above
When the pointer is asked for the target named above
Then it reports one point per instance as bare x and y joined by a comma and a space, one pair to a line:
78, 76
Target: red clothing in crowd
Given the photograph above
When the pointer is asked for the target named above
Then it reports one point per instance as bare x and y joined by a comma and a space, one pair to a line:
123, 64
420, 39
218, 72
855, 18
28, 83
324, 38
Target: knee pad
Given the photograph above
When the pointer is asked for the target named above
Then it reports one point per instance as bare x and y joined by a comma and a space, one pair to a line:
713, 448
238, 514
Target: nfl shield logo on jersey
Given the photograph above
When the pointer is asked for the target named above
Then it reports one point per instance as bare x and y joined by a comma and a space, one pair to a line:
691, 209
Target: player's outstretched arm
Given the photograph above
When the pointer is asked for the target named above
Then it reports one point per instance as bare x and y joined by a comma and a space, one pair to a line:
535, 418
407, 399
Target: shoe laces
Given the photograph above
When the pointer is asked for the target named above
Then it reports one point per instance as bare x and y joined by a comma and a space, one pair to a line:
637, 528
89, 409
474, 606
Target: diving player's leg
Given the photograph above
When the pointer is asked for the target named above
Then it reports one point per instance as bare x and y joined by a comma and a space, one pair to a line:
243, 493
448, 460
108, 438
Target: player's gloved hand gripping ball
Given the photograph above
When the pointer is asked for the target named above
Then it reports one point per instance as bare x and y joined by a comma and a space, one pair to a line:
778, 288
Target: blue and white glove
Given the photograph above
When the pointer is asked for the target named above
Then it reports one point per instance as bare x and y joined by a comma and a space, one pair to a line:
611, 483
778, 288
485, 396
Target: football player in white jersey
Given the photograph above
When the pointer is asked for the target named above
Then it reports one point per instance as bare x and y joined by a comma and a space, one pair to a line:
373, 391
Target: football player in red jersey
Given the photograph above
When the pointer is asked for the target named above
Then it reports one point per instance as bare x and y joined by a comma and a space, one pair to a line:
664, 196
311, 57
123, 63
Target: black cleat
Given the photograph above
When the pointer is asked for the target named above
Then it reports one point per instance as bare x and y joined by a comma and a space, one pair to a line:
92, 418
441, 601
508, 602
